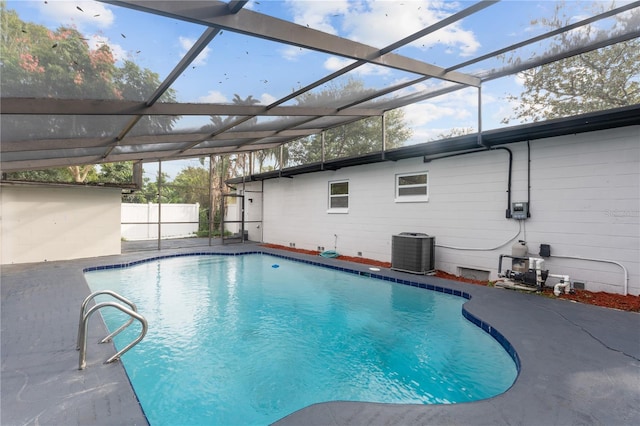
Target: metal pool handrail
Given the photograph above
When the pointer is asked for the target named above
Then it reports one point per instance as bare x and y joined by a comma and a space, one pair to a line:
112, 294
84, 320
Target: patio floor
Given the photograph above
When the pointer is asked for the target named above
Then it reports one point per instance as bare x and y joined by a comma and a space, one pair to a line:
580, 364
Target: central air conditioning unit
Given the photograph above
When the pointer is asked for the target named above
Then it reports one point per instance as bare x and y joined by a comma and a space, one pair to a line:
413, 252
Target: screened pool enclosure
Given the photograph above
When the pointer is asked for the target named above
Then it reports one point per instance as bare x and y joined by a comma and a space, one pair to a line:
235, 89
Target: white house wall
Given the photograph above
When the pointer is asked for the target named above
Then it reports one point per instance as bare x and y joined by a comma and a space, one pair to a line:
585, 202
46, 223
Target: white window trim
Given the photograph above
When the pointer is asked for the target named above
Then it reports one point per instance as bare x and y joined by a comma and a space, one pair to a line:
411, 198
338, 210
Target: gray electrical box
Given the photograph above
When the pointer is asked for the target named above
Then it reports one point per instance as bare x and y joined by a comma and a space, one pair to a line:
520, 210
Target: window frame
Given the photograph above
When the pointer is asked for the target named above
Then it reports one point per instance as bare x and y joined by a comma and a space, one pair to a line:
331, 196
421, 198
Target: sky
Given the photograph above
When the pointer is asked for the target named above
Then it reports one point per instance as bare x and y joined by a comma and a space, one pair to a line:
233, 64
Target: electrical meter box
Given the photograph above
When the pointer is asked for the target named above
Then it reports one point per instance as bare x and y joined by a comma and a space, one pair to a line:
520, 210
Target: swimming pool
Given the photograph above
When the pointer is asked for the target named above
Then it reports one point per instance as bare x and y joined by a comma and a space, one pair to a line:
249, 339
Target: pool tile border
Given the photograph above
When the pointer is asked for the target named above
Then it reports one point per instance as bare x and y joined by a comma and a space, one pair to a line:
486, 327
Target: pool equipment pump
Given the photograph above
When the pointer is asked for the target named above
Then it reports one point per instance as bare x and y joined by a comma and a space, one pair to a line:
528, 273
525, 271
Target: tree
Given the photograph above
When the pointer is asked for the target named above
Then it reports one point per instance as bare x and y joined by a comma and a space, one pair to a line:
192, 184
167, 193
593, 81
361, 137
38, 62
454, 132
226, 166
133, 83
265, 155
49, 175
121, 172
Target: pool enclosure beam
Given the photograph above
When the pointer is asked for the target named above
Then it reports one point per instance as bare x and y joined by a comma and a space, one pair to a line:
202, 42
432, 28
254, 24
119, 146
58, 106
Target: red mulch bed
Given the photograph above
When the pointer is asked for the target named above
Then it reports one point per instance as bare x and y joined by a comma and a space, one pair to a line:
600, 298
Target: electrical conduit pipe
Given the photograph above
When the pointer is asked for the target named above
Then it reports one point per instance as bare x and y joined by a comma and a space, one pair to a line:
626, 273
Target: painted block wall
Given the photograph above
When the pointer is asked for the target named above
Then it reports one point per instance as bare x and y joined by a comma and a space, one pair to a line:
585, 202
47, 223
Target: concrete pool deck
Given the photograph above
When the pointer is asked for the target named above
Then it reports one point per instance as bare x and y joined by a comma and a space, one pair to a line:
580, 364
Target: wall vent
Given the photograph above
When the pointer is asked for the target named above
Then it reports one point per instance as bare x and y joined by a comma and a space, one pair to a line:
473, 274
413, 252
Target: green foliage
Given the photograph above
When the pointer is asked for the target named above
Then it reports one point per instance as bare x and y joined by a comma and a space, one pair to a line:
456, 131
361, 137
192, 184
116, 172
49, 175
593, 81
38, 62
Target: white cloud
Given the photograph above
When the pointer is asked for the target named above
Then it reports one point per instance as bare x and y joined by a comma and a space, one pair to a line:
267, 99
291, 53
186, 43
213, 97
431, 118
335, 63
379, 23
420, 114
519, 79
318, 14
80, 14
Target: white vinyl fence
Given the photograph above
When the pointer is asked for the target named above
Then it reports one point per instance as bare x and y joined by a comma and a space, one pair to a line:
139, 221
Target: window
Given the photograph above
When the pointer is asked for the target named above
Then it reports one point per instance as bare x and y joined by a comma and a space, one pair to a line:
412, 187
339, 197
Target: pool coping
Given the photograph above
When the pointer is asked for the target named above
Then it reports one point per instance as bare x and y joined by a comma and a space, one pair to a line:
584, 368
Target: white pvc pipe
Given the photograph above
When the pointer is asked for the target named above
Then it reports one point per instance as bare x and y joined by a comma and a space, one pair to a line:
563, 284
626, 273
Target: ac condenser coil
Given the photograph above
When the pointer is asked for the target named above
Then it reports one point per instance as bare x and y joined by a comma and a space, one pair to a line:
413, 252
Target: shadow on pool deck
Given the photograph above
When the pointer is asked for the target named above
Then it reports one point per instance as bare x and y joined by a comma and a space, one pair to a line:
580, 364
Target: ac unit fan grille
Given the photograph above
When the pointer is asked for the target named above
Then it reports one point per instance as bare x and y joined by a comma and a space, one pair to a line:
413, 253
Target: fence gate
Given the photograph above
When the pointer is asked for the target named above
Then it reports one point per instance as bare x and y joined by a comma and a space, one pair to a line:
233, 230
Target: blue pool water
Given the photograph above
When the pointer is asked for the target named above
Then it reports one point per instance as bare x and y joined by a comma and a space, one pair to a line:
237, 340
